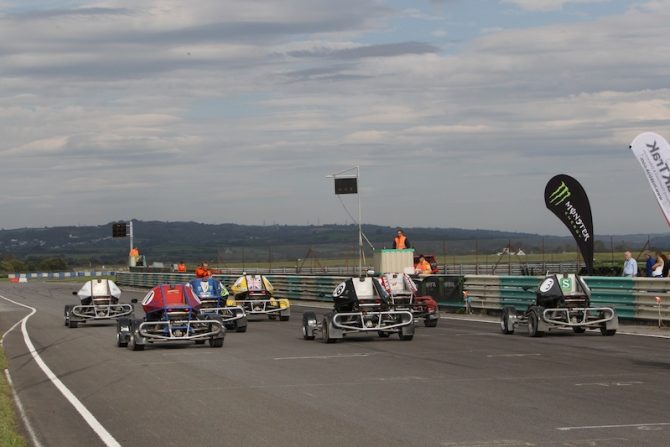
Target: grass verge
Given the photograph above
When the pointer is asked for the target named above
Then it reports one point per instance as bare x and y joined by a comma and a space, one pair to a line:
9, 435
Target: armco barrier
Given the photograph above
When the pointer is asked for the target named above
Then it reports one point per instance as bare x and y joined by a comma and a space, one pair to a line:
446, 289
293, 287
633, 298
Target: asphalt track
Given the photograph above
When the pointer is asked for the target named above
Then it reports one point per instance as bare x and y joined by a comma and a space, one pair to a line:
460, 384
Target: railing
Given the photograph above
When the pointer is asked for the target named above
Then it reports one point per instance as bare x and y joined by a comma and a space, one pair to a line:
633, 298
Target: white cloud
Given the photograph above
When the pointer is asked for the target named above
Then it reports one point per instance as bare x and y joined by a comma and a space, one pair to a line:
547, 5
166, 96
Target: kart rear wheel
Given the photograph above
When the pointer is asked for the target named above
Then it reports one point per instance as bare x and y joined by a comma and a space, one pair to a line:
216, 342
578, 329
135, 346
506, 324
66, 314
73, 324
284, 317
308, 324
325, 331
534, 323
122, 339
607, 332
240, 328
430, 322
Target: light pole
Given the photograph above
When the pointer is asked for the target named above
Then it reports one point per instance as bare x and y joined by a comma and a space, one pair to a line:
346, 182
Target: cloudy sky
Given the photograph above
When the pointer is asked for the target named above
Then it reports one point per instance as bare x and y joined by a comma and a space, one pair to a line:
457, 111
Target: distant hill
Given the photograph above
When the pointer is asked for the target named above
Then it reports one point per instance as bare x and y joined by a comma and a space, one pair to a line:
192, 241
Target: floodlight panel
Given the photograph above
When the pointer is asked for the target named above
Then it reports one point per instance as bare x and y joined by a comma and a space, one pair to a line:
347, 185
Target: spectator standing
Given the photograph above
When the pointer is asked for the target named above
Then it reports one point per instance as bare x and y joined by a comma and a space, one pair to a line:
657, 268
400, 241
649, 264
666, 265
468, 302
181, 267
423, 267
629, 265
203, 271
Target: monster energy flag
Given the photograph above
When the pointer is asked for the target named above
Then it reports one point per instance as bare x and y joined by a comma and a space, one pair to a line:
653, 153
566, 198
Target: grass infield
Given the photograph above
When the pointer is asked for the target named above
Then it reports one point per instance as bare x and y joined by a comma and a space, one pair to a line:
9, 435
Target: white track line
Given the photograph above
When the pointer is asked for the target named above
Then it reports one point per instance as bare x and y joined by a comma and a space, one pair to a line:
99, 430
29, 428
19, 405
592, 427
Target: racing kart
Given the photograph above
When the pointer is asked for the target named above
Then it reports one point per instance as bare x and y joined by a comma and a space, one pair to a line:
562, 301
172, 313
402, 291
214, 300
255, 294
99, 301
361, 306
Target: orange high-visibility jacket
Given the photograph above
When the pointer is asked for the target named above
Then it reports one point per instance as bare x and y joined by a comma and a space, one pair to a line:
201, 272
400, 242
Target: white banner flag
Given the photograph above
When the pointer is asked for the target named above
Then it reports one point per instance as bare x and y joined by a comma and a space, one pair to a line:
653, 153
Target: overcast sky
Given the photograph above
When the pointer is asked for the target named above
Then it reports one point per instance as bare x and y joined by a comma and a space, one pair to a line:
457, 111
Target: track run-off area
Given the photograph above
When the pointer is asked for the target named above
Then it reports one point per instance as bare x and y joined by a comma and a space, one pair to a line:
462, 383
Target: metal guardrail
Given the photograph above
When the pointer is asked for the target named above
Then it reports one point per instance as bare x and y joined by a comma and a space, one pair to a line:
58, 275
633, 298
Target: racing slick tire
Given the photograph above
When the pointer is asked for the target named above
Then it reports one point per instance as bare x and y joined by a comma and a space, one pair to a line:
284, 317
308, 324
607, 332
407, 332
136, 342
132, 344
506, 325
66, 314
534, 322
73, 324
122, 336
216, 342
241, 327
325, 330
430, 322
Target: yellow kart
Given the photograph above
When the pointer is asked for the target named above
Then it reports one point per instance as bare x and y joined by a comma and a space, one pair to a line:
255, 294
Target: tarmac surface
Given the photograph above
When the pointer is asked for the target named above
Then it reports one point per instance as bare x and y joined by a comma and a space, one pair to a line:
461, 384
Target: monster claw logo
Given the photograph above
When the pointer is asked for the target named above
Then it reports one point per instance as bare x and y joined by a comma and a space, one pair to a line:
557, 197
